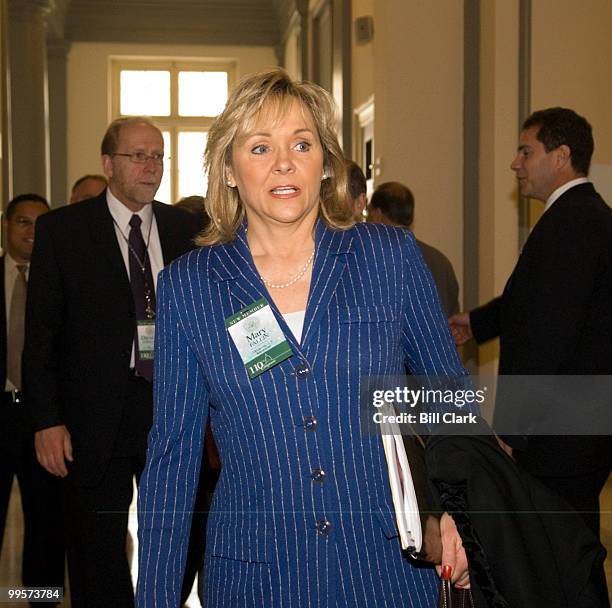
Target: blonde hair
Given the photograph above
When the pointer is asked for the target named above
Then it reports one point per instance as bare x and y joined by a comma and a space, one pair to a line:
272, 90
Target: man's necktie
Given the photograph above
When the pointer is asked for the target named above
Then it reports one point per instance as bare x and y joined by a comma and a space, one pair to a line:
143, 289
16, 327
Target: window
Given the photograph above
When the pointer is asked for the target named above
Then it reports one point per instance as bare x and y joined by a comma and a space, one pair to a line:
183, 98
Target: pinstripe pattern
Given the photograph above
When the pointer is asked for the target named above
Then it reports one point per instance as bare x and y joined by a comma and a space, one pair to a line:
372, 308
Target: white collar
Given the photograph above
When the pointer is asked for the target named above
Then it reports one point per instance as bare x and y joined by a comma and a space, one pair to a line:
11, 264
562, 189
122, 215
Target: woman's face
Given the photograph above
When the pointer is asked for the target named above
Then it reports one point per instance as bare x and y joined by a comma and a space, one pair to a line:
278, 166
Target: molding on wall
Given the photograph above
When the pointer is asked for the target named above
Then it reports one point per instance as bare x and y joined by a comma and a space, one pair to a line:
524, 102
341, 71
226, 22
471, 165
286, 11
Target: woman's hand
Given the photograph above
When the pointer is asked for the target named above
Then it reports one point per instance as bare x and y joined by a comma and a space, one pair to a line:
453, 553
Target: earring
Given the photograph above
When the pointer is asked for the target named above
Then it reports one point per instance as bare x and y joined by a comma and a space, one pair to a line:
324, 177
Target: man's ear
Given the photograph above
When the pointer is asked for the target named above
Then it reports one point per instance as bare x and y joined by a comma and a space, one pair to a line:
107, 165
564, 155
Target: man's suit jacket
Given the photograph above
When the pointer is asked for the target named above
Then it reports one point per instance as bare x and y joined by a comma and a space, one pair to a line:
80, 324
555, 317
3, 324
444, 277
372, 309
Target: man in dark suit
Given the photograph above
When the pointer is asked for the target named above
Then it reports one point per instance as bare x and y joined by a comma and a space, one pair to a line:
555, 314
392, 203
357, 189
87, 186
88, 350
43, 549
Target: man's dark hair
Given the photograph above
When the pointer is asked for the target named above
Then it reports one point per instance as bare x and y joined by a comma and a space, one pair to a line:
194, 204
100, 178
22, 198
356, 179
395, 201
562, 126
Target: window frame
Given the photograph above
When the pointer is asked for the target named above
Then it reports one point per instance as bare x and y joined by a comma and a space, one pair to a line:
174, 123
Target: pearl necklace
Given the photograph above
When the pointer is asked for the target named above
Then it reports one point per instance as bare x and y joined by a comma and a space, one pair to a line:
295, 279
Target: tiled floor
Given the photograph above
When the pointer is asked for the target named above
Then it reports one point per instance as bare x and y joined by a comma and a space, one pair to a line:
11, 547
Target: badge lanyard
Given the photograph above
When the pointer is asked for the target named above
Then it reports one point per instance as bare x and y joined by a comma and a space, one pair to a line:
142, 264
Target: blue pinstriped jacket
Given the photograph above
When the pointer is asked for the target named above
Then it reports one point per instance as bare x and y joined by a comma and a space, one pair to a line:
372, 310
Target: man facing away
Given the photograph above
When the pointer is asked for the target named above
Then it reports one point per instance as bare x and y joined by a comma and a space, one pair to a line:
357, 189
43, 543
555, 314
393, 203
87, 186
88, 350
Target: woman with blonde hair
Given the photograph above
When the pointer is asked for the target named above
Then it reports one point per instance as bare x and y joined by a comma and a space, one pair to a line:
269, 329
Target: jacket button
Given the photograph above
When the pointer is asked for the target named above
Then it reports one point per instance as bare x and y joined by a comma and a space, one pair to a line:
324, 527
302, 370
318, 475
310, 423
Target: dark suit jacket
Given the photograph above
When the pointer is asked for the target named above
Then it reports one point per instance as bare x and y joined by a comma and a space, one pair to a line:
555, 316
524, 548
3, 317
80, 324
444, 277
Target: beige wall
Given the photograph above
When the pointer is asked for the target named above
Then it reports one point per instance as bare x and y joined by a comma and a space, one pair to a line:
2, 104
498, 211
362, 56
418, 88
88, 89
571, 58
292, 58
498, 138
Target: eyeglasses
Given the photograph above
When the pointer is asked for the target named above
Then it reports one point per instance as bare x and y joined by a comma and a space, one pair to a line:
23, 222
140, 158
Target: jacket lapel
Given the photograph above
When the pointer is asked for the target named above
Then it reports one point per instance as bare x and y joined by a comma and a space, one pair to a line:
234, 264
103, 235
171, 242
332, 247
3, 325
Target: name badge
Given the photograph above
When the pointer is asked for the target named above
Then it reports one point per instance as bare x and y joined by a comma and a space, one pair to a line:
258, 337
145, 330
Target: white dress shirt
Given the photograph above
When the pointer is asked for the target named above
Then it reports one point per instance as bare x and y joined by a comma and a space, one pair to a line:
295, 321
10, 274
122, 216
562, 189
